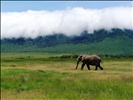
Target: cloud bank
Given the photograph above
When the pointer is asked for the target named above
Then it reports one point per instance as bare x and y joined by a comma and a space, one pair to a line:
71, 21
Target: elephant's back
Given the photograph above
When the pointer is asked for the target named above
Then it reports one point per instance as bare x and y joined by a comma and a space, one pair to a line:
93, 57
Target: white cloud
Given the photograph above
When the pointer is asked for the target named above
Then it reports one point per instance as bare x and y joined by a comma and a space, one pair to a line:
71, 21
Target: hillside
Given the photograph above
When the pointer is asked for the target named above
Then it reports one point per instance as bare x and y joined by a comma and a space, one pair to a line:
109, 46
103, 42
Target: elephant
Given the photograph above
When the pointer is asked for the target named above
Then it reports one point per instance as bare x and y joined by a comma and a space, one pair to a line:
88, 60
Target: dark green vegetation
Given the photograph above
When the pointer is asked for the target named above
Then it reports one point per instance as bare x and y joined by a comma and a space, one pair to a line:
102, 42
53, 76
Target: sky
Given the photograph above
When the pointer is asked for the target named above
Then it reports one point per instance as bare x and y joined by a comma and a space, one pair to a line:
19, 6
41, 18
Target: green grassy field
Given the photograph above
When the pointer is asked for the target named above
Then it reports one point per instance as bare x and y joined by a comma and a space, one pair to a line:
47, 76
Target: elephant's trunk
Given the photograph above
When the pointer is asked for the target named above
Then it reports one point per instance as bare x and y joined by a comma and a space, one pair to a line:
77, 64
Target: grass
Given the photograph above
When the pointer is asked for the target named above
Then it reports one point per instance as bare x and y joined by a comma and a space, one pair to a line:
39, 77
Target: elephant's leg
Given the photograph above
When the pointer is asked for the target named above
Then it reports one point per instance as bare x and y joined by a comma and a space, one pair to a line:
96, 68
88, 66
100, 67
82, 66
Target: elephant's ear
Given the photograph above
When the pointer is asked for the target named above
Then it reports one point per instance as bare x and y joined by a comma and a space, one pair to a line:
83, 57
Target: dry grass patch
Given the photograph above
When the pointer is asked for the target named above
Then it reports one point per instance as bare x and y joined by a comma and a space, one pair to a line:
25, 95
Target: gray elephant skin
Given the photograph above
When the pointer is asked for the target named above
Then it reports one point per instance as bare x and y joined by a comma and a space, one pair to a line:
88, 60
